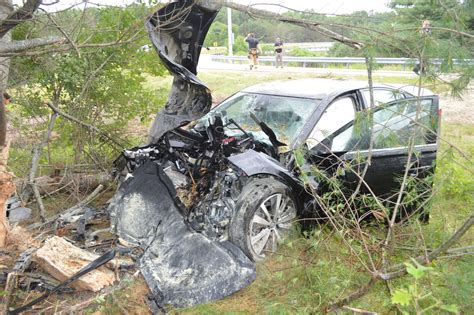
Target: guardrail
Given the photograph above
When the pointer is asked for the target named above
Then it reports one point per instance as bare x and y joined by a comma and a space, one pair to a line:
325, 61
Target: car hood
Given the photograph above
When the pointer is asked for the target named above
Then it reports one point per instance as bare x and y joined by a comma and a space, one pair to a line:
177, 32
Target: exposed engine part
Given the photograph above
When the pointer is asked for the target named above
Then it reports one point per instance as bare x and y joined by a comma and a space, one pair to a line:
212, 214
179, 179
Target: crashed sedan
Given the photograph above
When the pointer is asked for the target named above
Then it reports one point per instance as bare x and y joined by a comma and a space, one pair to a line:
216, 190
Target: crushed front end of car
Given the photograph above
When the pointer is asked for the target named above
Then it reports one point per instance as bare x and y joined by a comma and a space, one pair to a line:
178, 193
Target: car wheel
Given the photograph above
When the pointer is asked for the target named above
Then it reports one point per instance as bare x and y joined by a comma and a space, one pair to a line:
265, 216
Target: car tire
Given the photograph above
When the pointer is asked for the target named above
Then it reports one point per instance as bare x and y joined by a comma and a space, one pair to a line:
265, 216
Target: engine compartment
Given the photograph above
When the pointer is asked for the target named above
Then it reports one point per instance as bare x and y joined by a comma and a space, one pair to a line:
196, 160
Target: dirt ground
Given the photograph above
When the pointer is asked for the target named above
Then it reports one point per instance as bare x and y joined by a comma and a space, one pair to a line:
457, 110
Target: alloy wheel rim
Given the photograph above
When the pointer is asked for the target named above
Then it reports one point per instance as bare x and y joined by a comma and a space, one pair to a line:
271, 222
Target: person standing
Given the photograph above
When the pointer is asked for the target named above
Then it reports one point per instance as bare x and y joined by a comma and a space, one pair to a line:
425, 31
278, 53
253, 50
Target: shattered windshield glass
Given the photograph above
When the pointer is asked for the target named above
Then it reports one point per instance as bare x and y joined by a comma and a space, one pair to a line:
285, 115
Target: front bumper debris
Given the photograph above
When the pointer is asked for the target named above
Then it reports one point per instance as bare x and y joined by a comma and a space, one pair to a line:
181, 267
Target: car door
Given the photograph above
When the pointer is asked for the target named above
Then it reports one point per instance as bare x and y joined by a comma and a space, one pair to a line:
339, 113
395, 129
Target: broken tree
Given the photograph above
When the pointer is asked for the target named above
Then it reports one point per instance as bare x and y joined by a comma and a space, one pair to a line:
61, 260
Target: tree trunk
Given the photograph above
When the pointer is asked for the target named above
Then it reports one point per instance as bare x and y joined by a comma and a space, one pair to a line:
6, 184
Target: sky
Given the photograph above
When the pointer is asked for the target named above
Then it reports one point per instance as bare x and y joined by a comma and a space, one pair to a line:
322, 6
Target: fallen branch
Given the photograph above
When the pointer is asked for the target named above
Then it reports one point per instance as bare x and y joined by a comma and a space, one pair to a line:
84, 304
48, 185
353, 296
358, 310
73, 209
68, 214
400, 269
9, 287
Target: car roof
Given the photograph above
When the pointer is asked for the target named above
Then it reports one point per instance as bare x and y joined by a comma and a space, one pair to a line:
320, 88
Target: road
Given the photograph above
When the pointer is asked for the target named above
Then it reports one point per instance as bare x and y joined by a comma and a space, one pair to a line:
205, 63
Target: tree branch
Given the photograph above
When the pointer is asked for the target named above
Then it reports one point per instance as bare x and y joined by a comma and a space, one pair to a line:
84, 125
63, 48
37, 151
65, 35
21, 45
315, 26
353, 296
400, 270
22, 14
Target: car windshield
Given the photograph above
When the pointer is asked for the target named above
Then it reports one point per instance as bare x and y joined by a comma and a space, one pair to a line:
285, 115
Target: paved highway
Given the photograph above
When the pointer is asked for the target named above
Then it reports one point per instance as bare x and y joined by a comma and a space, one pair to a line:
205, 63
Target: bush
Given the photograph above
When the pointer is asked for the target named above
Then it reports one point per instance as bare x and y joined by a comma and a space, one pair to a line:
302, 52
240, 45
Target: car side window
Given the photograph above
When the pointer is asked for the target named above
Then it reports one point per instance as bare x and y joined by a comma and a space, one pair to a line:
397, 124
338, 114
382, 96
393, 126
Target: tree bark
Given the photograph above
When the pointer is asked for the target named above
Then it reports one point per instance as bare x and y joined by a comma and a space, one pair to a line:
37, 152
6, 184
12, 19
21, 45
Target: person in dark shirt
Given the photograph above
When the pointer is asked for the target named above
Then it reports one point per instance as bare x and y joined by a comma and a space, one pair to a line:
278, 53
253, 50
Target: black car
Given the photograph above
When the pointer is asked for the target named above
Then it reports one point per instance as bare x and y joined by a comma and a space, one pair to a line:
239, 155
212, 184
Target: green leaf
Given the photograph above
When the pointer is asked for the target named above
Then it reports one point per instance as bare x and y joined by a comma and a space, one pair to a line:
402, 297
452, 308
417, 270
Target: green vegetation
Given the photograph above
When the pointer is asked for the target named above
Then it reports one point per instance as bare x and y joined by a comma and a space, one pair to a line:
101, 87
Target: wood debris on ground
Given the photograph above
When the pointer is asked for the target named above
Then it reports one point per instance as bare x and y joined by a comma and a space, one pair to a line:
61, 259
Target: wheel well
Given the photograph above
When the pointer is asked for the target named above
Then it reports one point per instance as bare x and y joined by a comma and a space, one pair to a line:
293, 194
